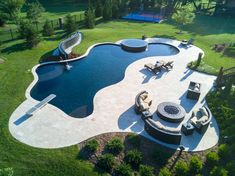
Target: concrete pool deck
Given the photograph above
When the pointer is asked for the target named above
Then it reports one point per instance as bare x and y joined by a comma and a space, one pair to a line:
113, 106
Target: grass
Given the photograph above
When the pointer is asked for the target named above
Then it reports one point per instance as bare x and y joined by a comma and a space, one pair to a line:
15, 76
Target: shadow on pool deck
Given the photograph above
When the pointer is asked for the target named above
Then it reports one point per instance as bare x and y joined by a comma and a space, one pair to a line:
186, 103
129, 119
151, 75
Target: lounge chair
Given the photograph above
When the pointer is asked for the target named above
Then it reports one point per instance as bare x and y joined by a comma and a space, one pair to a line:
168, 65
154, 68
187, 43
142, 102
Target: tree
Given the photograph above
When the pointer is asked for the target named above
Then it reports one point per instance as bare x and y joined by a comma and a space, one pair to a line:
48, 30
107, 12
123, 169
115, 9
123, 7
11, 9
195, 165
106, 162
146, 170
2, 19
181, 168
34, 11
135, 5
183, 16
70, 25
90, 18
165, 172
29, 33
98, 9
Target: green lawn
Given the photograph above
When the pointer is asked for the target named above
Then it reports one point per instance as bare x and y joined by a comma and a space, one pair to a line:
15, 76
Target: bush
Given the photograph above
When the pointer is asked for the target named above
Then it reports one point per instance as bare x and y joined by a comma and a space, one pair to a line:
134, 140
134, 158
123, 170
47, 29
164, 172
195, 165
89, 18
146, 170
217, 171
181, 168
212, 159
106, 162
115, 146
223, 151
6, 172
91, 146
70, 25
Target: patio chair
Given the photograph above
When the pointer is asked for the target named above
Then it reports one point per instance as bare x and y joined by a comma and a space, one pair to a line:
168, 65
187, 43
154, 68
142, 102
201, 119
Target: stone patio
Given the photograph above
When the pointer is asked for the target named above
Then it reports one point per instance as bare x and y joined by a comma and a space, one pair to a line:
113, 106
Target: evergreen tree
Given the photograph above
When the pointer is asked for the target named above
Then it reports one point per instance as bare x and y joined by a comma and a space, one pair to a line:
123, 7
70, 25
107, 12
115, 9
98, 9
135, 5
183, 16
90, 18
34, 11
48, 30
11, 9
29, 33
2, 19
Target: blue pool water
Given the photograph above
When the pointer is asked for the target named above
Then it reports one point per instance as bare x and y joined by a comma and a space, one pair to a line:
75, 89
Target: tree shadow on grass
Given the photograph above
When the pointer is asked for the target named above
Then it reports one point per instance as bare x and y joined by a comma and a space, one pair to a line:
15, 48
57, 36
164, 36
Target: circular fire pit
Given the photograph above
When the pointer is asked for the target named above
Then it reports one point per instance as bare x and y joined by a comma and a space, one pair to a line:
170, 112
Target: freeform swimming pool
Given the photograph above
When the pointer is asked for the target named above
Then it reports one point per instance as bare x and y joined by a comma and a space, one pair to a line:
103, 66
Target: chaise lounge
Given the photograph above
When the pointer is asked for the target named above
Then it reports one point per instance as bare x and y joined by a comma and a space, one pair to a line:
168, 65
154, 68
201, 119
142, 102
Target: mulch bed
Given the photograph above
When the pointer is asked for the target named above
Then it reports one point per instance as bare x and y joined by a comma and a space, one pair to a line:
147, 147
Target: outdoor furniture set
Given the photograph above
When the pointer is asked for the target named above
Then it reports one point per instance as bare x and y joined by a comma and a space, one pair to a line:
199, 120
156, 68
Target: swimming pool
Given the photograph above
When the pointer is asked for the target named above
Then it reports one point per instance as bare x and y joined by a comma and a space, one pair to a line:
103, 66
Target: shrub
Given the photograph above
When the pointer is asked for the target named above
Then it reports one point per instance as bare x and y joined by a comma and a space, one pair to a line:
134, 140
115, 146
134, 158
89, 18
146, 170
106, 162
181, 168
223, 151
91, 146
195, 165
212, 159
48, 30
217, 171
70, 25
164, 172
6, 172
123, 170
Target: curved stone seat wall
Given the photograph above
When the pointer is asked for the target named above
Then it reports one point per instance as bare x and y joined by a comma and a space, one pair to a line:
170, 137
